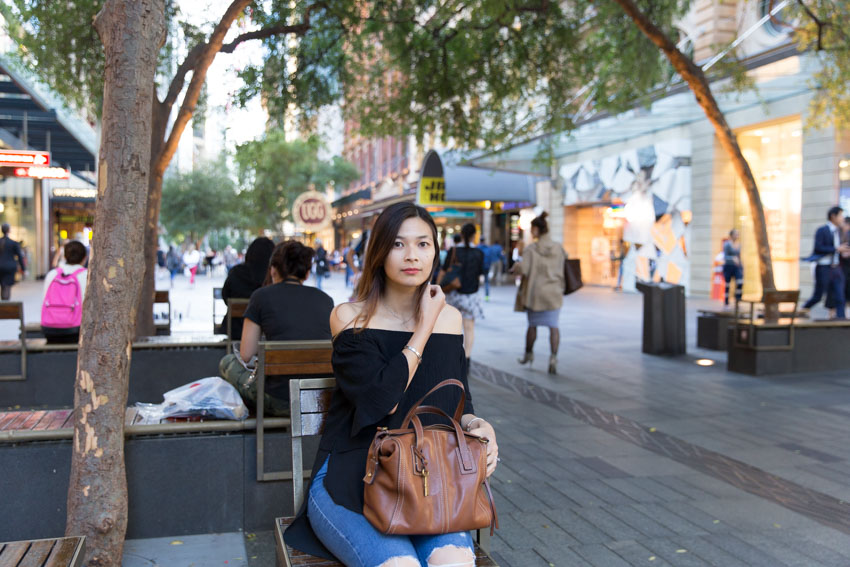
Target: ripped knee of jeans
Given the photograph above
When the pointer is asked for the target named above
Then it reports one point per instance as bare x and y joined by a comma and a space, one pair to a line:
402, 561
451, 556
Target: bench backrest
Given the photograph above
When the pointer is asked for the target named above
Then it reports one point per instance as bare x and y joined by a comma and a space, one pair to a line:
298, 359
236, 307
59, 552
161, 296
15, 310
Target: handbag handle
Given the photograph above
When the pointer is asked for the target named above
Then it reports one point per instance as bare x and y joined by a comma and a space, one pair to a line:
460, 404
465, 455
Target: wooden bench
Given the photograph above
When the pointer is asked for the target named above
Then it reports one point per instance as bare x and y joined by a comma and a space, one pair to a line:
59, 552
14, 310
236, 307
292, 359
161, 297
771, 300
309, 402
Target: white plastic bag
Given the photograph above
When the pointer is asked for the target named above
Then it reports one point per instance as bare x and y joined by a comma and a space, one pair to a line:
207, 397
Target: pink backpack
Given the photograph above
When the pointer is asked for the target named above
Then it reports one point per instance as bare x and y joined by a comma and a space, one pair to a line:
63, 302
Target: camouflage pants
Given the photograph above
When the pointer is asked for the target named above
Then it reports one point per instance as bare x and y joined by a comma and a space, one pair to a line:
240, 377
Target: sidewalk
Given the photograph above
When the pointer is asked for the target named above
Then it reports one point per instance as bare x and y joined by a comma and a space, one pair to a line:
621, 458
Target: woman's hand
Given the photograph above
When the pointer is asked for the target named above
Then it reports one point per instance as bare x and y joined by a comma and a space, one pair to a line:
483, 429
433, 301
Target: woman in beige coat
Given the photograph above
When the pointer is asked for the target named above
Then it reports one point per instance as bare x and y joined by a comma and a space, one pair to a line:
541, 293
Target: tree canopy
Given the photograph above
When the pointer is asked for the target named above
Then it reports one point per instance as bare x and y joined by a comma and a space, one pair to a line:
274, 171
199, 202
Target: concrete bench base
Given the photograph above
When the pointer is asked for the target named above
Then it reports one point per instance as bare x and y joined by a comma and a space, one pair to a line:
818, 347
178, 484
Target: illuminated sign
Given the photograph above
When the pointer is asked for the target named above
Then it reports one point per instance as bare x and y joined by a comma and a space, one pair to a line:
311, 211
74, 193
432, 192
14, 158
42, 172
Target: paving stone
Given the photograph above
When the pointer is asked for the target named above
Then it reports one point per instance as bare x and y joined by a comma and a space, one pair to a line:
515, 535
605, 492
710, 553
641, 522
521, 497
578, 494
544, 528
744, 551
636, 554
794, 554
560, 556
668, 519
662, 492
609, 524
554, 498
519, 558
697, 517
675, 552
682, 486
630, 488
578, 528
603, 467
597, 554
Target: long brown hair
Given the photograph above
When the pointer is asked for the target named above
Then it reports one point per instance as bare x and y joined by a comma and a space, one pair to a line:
373, 279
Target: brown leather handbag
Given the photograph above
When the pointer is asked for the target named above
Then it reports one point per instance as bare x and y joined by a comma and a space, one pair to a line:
428, 480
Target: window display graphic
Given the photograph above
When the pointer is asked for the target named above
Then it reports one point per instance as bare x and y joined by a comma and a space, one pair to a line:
650, 190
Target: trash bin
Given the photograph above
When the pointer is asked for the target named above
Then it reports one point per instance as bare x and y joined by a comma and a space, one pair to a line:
663, 318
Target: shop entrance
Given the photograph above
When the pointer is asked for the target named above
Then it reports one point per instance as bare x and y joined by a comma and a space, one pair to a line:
774, 153
594, 235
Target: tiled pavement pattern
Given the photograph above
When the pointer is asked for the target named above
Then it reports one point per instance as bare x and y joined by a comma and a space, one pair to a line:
574, 494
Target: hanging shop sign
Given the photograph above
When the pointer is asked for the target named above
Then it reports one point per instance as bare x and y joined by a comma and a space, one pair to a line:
432, 193
42, 172
23, 158
74, 194
311, 212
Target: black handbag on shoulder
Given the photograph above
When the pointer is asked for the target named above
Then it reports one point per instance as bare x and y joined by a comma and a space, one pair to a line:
572, 275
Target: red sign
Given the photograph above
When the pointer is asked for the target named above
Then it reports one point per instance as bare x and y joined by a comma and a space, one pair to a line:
42, 172
15, 158
311, 211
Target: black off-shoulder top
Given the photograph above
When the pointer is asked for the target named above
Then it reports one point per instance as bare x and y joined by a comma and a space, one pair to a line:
371, 374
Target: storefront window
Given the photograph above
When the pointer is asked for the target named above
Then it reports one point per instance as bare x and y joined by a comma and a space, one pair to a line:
17, 207
775, 156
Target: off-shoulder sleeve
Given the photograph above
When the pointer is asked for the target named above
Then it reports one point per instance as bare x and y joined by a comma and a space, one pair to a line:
373, 383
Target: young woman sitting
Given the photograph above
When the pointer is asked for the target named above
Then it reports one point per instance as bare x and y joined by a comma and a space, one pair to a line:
285, 310
391, 346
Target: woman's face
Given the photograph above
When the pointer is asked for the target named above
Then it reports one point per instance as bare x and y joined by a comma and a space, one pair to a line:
411, 258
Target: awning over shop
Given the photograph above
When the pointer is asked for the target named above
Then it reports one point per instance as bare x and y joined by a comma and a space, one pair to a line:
467, 183
356, 196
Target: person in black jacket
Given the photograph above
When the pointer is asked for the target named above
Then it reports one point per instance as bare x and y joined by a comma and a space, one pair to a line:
244, 279
467, 299
11, 256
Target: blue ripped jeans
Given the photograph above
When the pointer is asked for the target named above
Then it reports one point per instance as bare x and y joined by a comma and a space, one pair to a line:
356, 543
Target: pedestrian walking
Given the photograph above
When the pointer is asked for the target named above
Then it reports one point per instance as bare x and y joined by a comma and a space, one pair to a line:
392, 345
488, 259
173, 263
466, 298
827, 252
541, 292
322, 268
11, 257
246, 278
191, 260
64, 291
732, 267
283, 310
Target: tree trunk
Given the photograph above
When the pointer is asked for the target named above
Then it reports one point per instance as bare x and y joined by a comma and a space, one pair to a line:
132, 32
159, 122
698, 84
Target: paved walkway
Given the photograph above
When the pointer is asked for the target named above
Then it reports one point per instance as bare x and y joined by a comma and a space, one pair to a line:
623, 458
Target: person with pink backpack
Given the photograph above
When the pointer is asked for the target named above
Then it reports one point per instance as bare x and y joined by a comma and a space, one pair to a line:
64, 289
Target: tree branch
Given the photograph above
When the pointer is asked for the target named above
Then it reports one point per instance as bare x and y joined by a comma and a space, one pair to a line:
201, 57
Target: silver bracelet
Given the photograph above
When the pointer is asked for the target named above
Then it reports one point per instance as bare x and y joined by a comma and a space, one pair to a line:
414, 351
473, 420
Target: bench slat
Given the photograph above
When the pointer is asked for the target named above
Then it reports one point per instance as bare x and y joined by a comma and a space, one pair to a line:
63, 552
53, 420
7, 418
299, 369
33, 420
312, 423
37, 553
16, 422
13, 552
284, 356
160, 296
316, 401
14, 310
